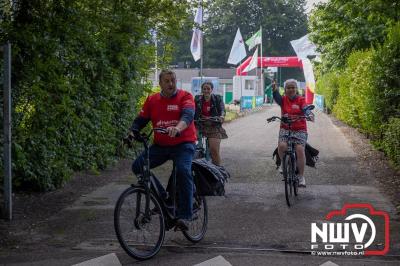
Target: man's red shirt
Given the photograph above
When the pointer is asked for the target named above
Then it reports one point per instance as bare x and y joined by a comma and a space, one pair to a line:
166, 112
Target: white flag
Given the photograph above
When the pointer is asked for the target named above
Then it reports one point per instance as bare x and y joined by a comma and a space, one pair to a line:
253, 63
238, 51
303, 47
195, 45
308, 74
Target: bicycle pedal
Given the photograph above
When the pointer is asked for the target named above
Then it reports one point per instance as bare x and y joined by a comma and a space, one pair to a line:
181, 226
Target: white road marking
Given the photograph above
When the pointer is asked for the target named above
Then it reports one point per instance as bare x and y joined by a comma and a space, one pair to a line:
329, 263
217, 261
106, 260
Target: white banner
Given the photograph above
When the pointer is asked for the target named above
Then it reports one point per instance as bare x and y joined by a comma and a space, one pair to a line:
195, 45
309, 74
304, 47
238, 51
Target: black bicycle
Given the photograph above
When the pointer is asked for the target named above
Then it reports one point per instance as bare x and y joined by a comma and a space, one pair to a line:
142, 214
202, 147
289, 161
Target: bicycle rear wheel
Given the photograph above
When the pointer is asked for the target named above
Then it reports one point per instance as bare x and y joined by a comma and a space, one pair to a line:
141, 235
198, 226
288, 179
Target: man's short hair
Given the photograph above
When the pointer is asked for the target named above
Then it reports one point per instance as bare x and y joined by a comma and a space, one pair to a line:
166, 72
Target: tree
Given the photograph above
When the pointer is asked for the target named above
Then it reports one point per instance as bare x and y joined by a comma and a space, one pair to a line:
282, 21
79, 70
340, 27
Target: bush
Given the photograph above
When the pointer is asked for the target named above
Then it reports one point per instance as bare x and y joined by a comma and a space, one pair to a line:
391, 140
386, 62
344, 109
360, 102
79, 69
366, 98
328, 86
369, 93
366, 92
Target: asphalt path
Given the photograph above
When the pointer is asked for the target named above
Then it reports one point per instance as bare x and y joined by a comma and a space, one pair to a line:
252, 225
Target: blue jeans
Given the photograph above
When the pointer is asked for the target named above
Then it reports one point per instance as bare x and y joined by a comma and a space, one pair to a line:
182, 155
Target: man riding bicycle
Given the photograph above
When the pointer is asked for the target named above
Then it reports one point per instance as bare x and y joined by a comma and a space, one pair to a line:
292, 105
172, 109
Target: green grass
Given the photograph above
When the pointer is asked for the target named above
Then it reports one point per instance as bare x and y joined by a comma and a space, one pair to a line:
230, 115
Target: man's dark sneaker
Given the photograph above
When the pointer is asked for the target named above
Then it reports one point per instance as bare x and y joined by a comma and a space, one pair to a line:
181, 225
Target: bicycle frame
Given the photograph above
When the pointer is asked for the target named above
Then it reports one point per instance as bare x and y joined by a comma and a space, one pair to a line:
148, 182
291, 151
203, 144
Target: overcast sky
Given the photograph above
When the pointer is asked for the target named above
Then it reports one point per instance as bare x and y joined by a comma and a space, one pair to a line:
311, 2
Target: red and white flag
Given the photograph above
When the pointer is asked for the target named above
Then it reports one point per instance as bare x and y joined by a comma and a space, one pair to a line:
253, 63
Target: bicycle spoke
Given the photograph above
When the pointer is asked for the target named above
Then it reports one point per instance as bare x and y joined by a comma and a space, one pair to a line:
198, 226
139, 235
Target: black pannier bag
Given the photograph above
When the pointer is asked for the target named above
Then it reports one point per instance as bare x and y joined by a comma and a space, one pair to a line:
311, 156
209, 178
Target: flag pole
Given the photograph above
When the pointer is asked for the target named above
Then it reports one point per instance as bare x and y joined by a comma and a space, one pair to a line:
256, 70
201, 44
262, 74
241, 90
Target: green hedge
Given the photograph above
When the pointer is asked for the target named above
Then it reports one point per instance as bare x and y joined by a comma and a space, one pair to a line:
391, 140
79, 67
328, 85
387, 75
366, 93
360, 102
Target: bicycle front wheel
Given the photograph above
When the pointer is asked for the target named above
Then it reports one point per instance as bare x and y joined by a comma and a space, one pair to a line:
288, 179
295, 179
140, 234
198, 225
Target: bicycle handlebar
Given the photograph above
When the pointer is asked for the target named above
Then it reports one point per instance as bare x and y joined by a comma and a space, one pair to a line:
289, 120
215, 119
145, 137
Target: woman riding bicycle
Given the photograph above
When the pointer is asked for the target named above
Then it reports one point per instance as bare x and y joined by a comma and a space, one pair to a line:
292, 105
211, 105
